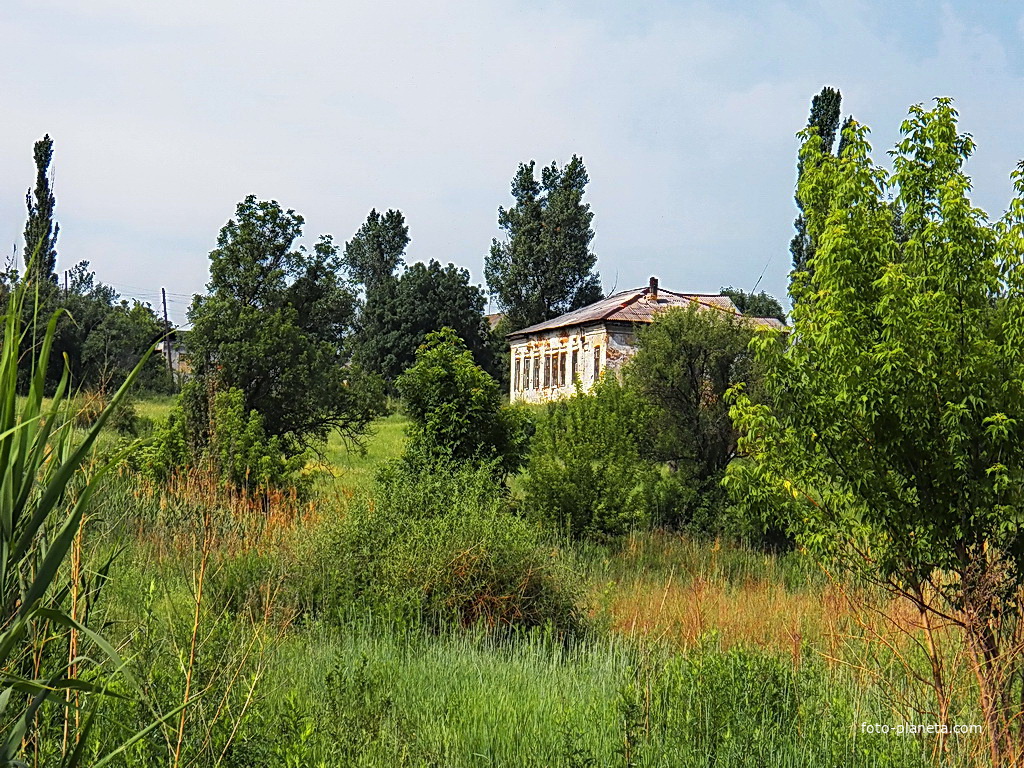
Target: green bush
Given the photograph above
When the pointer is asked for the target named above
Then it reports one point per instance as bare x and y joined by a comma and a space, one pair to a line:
686, 360
439, 546
588, 475
236, 447
456, 409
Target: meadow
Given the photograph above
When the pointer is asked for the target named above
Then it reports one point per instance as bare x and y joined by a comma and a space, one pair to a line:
684, 651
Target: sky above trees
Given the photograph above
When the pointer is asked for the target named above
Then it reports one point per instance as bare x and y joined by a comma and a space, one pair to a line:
164, 116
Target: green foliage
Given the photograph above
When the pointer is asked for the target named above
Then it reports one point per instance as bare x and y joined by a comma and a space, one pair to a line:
399, 313
376, 252
100, 338
40, 254
45, 490
234, 444
243, 452
824, 118
457, 409
685, 362
589, 473
439, 545
895, 425
755, 304
544, 267
275, 326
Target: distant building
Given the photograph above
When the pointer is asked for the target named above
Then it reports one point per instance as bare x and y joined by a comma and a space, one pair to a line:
548, 357
170, 349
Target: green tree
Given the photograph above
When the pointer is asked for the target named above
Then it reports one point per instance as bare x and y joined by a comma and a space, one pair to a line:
686, 360
40, 229
755, 304
398, 315
824, 118
456, 409
544, 266
894, 428
376, 251
275, 326
112, 349
590, 473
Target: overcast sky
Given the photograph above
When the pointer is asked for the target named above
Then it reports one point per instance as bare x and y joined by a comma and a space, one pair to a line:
165, 115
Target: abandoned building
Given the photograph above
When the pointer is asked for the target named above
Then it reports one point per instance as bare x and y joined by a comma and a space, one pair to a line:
548, 357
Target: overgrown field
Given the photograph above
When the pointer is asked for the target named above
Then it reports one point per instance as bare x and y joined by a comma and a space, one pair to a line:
295, 636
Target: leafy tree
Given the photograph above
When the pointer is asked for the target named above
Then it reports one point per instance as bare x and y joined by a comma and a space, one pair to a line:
377, 250
544, 267
399, 314
113, 348
40, 229
275, 326
590, 474
824, 118
686, 361
895, 427
456, 409
755, 304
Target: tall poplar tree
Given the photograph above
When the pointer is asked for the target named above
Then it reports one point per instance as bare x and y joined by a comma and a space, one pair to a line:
544, 267
40, 228
825, 111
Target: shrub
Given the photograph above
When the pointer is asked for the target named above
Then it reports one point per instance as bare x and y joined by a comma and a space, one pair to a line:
456, 409
237, 447
588, 474
685, 362
441, 546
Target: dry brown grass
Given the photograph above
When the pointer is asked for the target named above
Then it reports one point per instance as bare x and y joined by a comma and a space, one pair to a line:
757, 613
184, 507
674, 589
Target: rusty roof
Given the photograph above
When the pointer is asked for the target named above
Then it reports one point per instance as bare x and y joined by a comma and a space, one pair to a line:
636, 306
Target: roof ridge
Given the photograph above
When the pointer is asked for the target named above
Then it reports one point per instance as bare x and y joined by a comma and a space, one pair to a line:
632, 300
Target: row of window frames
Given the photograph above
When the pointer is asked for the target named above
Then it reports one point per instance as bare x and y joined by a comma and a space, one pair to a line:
551, 367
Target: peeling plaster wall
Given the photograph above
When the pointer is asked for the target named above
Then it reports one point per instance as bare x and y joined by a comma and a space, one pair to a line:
536, 354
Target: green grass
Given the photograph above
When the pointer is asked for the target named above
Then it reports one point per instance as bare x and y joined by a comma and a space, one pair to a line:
155, 407
353, 469
381, 697
369, 693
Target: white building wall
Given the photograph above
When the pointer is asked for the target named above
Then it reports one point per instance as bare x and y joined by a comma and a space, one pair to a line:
537, 361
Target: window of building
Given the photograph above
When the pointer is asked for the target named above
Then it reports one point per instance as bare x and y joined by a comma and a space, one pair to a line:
575, 364
597, 361
561, 369
515, 377
536, 372
547, 370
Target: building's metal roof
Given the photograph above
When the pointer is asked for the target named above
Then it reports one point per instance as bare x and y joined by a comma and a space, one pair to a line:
636, 306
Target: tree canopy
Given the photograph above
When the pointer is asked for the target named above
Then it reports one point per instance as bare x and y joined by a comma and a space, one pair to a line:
274, 325
399, 314
686, 360
894, 429
377, 250
456, 409
544, 266
755, 304
40, 228
826, 108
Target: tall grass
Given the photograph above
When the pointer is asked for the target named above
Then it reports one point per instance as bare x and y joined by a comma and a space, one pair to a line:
372, 695
53, 666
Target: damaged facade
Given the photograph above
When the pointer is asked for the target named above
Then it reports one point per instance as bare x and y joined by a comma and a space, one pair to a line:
548, 357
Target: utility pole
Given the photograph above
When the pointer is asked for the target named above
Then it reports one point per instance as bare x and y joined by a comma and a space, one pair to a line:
167, 331
65, 283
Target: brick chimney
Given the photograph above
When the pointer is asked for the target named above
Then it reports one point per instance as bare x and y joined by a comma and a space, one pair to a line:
652, 291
